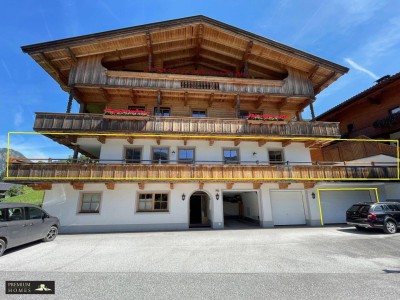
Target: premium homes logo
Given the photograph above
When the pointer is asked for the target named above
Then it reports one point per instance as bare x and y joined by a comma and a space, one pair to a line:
30, 287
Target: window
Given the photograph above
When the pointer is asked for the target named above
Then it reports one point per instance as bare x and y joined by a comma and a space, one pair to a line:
2, 215
378, 208
35, 213
16, 214
133, 155
350, 128
153, 202
275, 157
393, 207
160, 155
231, 156
185, 156
136, 108
199, 114
164, 111
244, 113
90, 203
394, 110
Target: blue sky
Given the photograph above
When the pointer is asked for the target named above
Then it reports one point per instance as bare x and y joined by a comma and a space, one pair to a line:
363, 35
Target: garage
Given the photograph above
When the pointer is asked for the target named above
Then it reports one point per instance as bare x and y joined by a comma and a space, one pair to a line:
241, 209
287, 208
335, 203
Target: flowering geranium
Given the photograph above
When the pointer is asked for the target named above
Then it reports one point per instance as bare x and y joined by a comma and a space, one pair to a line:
266, 117
126, 112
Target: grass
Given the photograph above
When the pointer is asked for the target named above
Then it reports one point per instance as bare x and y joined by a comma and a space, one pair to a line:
32, 197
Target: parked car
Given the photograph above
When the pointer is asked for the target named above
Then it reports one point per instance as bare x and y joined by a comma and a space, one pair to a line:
22, 223
382, 215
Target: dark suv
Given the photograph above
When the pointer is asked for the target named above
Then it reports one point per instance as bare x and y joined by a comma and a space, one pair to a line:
382, 215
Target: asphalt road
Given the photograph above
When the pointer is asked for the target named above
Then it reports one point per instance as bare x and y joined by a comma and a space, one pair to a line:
280, 263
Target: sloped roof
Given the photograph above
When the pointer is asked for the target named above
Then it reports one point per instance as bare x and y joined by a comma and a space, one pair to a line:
360, 96
220, 41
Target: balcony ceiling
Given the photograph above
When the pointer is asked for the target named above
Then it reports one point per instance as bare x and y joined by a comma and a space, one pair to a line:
197, 42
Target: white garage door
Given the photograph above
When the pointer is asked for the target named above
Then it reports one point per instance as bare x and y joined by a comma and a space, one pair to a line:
287, 208
335, 203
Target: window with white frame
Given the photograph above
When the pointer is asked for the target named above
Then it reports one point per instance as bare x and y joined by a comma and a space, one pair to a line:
275, 157
90, 203
152, 202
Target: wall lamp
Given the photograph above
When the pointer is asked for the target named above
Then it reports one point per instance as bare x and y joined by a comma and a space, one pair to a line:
217, 196
313, 195
254, 153
173, 152
183, 197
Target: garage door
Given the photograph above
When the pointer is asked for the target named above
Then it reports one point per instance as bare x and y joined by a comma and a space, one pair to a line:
335, 203
287, 208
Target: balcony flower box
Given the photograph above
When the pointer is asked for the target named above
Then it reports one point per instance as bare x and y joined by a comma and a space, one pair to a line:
126, 114
258, 119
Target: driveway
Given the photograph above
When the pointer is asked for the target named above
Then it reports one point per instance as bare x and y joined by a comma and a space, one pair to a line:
303, 263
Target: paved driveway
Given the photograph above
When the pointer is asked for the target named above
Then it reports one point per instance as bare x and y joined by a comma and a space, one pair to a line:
301, 263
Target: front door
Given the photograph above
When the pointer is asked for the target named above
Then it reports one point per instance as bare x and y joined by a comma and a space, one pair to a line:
195, 209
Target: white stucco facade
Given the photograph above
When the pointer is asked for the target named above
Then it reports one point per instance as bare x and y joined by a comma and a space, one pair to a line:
119, 209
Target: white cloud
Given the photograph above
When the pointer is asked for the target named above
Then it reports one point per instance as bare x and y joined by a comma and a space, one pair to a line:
361, 68
18, 117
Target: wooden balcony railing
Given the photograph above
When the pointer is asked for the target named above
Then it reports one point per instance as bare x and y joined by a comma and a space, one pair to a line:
214, 83
213, 126
59, 172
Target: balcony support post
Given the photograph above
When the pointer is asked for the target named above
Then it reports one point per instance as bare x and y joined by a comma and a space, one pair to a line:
158, 102
312, 111
70, 98
237, 106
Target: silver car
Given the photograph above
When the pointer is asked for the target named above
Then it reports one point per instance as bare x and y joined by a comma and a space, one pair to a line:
22, 223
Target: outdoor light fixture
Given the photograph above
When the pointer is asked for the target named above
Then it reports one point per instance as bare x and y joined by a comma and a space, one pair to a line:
217, 196
313, 195
254, 153
173, 152
183, 197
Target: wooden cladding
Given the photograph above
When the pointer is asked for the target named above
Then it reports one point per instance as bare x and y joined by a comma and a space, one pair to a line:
178, 125
35, 172
347, 151
90, 71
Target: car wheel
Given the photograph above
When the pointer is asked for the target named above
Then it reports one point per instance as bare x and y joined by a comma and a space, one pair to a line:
2, 247
390, 227
51, 235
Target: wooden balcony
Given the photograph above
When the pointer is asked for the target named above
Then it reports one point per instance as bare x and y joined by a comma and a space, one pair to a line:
196, 82
96, 123
26, 172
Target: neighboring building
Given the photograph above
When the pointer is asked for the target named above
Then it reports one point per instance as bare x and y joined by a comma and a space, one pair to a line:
195, 160
374, 113
4, 187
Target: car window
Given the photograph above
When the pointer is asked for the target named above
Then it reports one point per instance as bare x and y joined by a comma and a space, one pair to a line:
393, 207
16, 214
378, 208
35, 213
2, 215
360, 208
